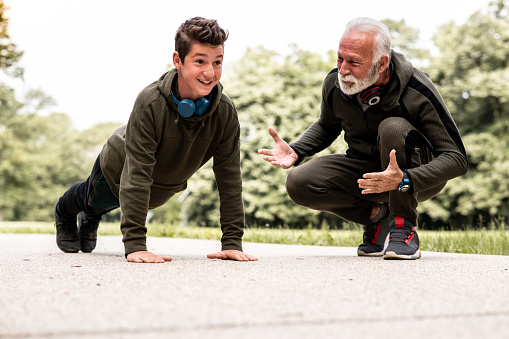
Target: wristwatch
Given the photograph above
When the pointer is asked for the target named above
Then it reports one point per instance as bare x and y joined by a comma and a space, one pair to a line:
405, 184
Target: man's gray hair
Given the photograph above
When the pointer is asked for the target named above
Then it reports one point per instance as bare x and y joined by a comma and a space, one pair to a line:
382, 36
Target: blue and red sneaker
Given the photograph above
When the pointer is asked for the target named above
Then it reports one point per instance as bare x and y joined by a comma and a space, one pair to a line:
374, 236
403, 241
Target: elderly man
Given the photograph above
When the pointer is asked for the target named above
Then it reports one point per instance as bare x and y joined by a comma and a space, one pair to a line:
403, 145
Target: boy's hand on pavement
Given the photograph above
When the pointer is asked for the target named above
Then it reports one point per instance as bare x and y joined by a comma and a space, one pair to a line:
232, 254
147, 257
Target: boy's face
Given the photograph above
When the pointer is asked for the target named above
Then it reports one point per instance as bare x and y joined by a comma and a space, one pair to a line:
200, 71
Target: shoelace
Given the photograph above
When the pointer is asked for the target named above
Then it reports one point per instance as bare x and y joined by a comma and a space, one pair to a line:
400, 234
369, 231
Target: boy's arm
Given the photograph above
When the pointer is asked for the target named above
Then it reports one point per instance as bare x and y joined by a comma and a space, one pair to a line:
136, 178
229, 183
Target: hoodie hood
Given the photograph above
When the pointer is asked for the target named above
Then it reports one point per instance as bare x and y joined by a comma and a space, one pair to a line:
403, 70
168, 81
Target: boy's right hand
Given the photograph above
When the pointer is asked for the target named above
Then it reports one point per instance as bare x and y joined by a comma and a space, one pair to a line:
282, 155
146, 256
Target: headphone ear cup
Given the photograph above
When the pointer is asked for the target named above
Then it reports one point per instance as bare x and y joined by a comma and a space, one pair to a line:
371, 95
201, 106
186, 108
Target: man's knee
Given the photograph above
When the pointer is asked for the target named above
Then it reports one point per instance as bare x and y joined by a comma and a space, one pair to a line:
296, 186
394, 128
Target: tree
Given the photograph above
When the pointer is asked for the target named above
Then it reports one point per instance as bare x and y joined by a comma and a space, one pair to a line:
405, 40
8, 109
471, 73
473, 67
9, 54
44, 156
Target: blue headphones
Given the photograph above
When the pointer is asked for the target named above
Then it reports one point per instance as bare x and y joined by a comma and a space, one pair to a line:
187, 108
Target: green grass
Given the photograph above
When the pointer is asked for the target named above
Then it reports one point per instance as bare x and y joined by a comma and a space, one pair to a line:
470, 241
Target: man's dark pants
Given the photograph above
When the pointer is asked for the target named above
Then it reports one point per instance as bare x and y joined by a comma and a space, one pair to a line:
329, 183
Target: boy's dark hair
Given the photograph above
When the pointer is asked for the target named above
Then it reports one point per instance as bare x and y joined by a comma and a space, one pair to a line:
201, 30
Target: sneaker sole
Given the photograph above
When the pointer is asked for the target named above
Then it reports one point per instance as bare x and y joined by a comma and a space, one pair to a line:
394, 256
374, 254
87, 250
67, 250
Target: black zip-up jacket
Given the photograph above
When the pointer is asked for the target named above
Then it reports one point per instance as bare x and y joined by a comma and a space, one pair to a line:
151, 159
409, 94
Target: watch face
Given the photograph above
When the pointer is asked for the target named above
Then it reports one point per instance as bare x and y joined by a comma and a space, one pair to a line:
404, 188
405, 184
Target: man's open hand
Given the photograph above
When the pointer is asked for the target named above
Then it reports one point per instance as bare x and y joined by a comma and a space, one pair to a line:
379, 182
232, 254
282, 155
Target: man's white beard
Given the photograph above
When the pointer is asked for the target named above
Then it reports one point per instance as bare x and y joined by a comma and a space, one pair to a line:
358, 85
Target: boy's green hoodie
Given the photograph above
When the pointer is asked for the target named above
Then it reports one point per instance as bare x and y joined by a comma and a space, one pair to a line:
146, 162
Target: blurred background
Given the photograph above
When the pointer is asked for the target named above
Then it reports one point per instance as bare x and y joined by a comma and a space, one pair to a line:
72, 70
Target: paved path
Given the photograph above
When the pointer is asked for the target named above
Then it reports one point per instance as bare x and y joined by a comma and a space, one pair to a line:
291, 292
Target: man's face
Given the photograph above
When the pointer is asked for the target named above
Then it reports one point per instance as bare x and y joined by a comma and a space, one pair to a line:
200, 71
357, 69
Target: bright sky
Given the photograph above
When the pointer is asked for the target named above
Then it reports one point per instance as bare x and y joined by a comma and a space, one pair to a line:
94, 57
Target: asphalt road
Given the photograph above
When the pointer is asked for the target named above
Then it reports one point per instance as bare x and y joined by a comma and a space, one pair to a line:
291, 292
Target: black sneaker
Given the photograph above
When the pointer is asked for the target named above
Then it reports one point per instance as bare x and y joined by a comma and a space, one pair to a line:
403, 241
374, 237
68, 239
87, 227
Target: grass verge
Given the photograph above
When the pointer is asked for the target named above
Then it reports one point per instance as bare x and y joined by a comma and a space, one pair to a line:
495, 242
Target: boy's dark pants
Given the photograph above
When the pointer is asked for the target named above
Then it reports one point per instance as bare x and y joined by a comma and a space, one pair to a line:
92, 196
329, 183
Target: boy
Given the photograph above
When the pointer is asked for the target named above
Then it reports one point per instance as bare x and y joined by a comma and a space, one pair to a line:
177, 124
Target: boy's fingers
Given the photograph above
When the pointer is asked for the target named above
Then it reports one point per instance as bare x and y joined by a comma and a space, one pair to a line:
219, 255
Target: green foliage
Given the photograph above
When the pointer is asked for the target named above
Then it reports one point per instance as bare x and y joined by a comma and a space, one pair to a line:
41, 157
9, 55
8, 156
170, 213
481, 197
494, 242
405, 39
471, 73
473, 67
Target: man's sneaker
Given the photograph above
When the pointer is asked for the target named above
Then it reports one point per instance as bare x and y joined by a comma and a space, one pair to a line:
403, 241
87, 231
374, 237
68, 239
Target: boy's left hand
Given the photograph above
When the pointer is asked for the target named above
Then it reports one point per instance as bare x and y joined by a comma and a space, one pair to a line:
232, 254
